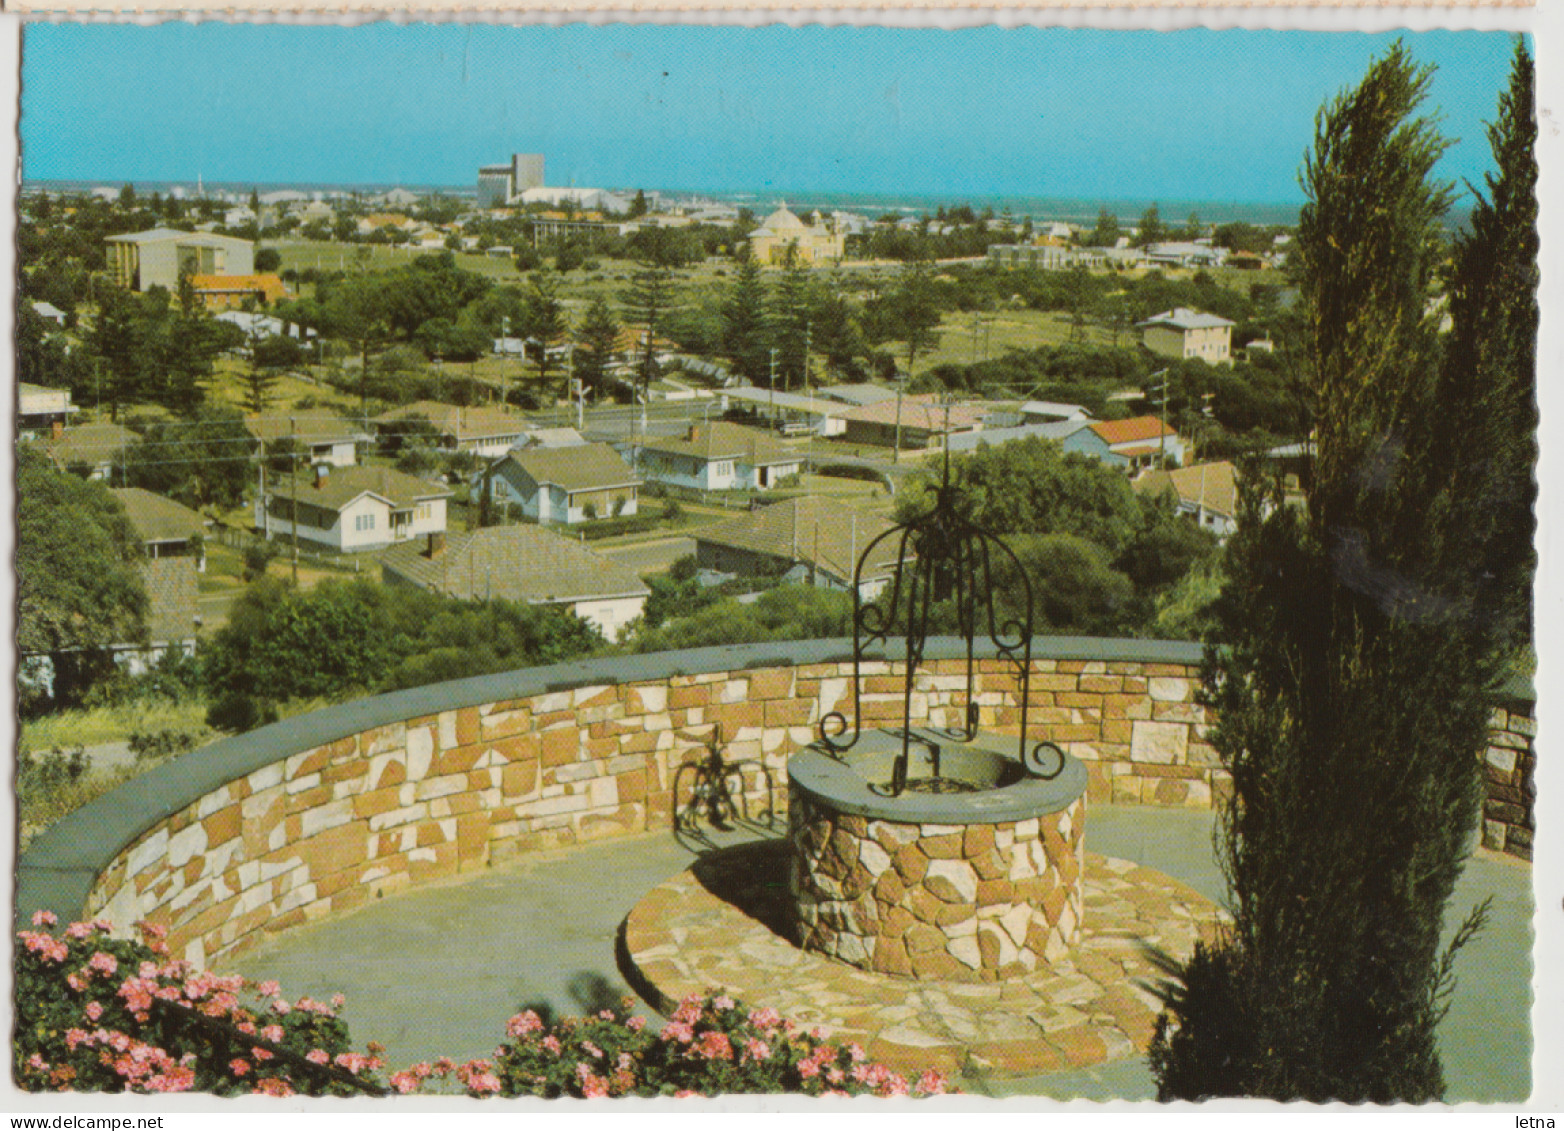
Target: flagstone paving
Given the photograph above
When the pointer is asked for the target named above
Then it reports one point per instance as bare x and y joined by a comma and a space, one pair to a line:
436, 971
723, 924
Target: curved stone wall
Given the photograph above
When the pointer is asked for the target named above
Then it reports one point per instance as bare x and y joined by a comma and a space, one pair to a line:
321, 813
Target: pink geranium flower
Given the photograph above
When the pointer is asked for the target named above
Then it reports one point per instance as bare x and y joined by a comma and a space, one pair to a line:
524, 1023
715, 1045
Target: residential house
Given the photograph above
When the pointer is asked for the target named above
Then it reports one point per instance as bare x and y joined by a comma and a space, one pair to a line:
718, 456
1183, 333
321, 437
522, 563
1134, 444
232, 292
551, 438
860, 393
157, 258
49, 312
814, 540
97, 447
375, 221
352, 509
565, 485
167, 529
258, 325
1182, 253
487, 431
41, 410
1207, 493
1047, 257
918, 422
782, 233
173, 616
1057, 431
316, 211
630, 347
792, 413
1037, 412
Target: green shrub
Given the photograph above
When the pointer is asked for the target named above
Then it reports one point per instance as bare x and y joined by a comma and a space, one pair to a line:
257, 556
239, 711
156, 745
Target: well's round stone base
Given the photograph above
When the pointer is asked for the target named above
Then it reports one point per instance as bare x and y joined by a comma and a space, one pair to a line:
955, 903
723, 924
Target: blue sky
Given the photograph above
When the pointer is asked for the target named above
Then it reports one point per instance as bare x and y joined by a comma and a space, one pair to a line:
1190, 115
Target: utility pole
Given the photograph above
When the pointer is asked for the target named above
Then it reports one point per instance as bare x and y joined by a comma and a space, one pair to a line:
504, 346
1162, 426
896, 447
771, 387
808, 345
579, 387
293, 492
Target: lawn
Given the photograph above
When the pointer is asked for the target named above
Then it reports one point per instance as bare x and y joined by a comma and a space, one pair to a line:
302, 255
111, 724
969, 336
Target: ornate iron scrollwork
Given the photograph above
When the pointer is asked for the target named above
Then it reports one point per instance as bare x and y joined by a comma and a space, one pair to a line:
943, 561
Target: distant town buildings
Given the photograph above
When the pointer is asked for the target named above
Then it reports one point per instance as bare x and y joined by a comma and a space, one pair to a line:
157, 258
1182, 333
1184, 254
497, 184
782, 233
1047, 257
220, 269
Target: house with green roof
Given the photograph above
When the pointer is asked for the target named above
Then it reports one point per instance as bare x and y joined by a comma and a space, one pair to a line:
816, 541
565, 485
718, 456
167, 529
351, 509
522, 563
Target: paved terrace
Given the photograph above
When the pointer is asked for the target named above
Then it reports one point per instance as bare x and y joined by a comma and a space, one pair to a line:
438, 971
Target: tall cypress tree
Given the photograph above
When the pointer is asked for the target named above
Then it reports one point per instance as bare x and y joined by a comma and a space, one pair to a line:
1356, 654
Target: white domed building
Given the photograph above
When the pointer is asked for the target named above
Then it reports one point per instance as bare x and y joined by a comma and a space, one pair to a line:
814, 243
